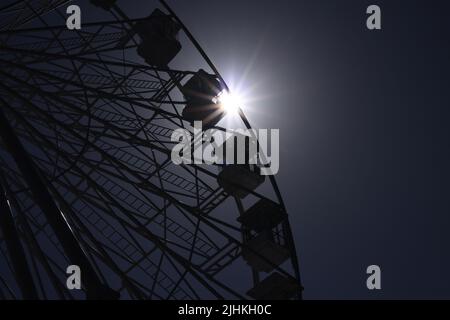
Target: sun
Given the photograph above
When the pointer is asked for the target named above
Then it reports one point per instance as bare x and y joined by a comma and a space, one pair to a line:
230, 102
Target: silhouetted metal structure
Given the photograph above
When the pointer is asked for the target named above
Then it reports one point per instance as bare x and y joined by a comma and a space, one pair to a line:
86, 177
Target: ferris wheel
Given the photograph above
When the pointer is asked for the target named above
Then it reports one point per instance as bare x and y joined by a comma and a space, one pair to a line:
86, 177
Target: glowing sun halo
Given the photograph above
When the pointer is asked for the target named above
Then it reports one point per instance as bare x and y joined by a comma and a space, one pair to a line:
230, 102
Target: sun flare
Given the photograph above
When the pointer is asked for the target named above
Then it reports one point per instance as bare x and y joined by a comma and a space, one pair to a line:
230, 102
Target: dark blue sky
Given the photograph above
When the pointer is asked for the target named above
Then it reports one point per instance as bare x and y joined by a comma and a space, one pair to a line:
363, 118
364, 131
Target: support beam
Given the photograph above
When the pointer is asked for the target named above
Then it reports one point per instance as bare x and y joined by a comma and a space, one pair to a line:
15, 250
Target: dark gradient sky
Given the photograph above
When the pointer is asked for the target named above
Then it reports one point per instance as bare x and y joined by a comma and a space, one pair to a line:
364, 131
364, 125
